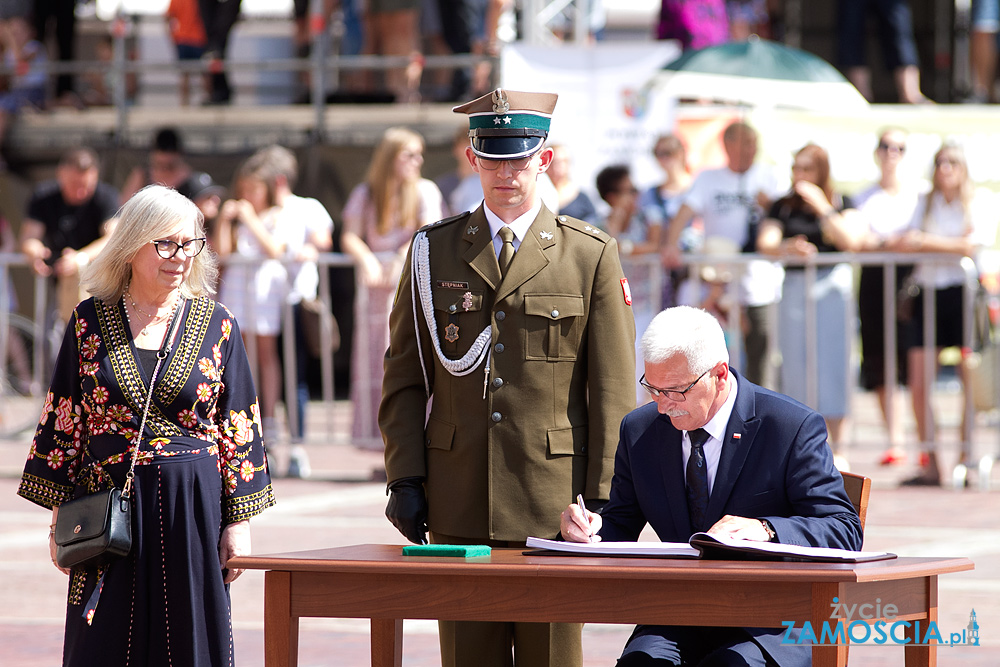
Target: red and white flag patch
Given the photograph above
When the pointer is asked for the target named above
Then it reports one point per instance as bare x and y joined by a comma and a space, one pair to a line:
627, 291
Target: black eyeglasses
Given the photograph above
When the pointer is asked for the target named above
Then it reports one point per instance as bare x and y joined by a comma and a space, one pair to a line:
672, 394
520, 164
166, 248
899, 148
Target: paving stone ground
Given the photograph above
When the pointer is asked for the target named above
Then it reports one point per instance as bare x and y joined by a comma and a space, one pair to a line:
341, 505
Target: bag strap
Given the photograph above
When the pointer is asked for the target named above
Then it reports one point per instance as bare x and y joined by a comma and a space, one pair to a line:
161, 354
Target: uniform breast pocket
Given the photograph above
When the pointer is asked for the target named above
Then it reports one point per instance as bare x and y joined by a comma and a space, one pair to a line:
554, 326
459, 319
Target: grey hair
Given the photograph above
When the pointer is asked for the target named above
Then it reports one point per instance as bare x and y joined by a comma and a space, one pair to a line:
151, 213
690, 332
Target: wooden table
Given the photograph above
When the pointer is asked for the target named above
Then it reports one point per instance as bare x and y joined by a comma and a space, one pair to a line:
376, 581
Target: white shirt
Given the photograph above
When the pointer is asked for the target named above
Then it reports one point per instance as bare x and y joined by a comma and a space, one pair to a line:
886, 214
519, 226
716, 428
302, 216
949, 219
723, 199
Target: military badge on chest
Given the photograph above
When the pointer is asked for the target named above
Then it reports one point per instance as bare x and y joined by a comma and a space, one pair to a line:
451, 331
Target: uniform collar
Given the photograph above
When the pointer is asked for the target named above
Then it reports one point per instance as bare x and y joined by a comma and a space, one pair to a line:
519, 226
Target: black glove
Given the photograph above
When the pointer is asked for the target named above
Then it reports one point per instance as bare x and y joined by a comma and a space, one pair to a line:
407, 508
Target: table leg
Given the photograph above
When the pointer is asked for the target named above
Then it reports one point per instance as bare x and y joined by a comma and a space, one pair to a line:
924, 656
826, 655
387, 642
281, 629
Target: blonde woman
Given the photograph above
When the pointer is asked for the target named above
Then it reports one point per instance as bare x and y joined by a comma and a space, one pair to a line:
953, 219
380, 216
201, 472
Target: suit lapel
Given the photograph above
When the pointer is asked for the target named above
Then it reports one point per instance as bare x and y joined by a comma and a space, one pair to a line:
672, 473
480, 254
530, 256
741, 431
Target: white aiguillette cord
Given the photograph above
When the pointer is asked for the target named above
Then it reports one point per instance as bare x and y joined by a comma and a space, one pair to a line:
421, 276
161, 354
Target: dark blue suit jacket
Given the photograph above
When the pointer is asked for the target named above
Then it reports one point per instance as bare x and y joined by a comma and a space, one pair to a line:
775, 465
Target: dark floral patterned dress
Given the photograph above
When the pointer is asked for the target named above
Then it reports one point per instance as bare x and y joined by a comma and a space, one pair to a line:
201, 466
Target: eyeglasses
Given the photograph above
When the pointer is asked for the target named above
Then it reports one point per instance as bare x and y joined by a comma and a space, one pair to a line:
946, 162
672, 394
166, 248
887, 147
520, 164
410, 155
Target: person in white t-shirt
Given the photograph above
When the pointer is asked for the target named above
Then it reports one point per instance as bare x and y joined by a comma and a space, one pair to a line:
731, 201
885, 208
312, 226
953, 218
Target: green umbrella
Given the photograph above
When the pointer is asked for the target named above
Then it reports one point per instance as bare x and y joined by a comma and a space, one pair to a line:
759, 72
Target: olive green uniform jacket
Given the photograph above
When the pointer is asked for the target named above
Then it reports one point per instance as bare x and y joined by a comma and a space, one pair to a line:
505, 449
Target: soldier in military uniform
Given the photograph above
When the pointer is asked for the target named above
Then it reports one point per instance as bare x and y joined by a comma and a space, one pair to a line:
515, 325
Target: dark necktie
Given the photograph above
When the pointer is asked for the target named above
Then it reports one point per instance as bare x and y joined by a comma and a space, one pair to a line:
697, 479
506, 235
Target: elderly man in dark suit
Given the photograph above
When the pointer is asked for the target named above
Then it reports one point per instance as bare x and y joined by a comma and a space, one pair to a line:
716, 453
517, 323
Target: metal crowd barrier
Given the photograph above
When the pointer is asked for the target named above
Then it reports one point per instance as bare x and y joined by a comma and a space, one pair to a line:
654, 274
889, 261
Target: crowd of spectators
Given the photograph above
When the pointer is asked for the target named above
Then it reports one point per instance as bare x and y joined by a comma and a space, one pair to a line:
716, 213
738, 208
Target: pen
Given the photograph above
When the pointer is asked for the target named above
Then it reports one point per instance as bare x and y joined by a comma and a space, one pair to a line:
583, 508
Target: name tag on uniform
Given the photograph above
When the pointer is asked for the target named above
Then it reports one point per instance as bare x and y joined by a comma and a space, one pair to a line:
452, 284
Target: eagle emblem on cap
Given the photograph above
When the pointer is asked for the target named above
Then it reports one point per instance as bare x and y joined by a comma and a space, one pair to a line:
500, 103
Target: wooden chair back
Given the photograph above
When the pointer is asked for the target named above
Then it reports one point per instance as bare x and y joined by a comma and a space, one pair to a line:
858, 488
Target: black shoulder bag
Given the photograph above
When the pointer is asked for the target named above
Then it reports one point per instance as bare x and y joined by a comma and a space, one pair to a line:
97, 528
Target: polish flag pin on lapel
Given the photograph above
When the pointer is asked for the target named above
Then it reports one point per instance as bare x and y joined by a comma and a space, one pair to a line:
737, 436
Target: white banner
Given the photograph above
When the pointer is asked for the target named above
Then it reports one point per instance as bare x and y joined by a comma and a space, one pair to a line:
602, 114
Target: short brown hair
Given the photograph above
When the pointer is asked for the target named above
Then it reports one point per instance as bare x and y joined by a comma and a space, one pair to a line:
81, 159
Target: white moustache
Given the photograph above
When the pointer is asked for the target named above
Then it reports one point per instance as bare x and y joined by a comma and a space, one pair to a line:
675, 413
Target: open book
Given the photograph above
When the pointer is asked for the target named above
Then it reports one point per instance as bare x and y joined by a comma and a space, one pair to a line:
717, 547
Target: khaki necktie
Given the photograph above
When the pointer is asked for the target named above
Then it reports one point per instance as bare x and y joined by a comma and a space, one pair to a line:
506, 250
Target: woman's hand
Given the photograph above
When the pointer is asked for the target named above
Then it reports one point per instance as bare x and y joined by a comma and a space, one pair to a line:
814, 197
52, 542
235, 541
371, 271
797, 246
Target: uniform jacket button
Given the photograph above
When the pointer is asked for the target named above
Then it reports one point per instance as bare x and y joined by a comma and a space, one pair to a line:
555, 313
496, 416
501, 315
452, 308
498, 347
498, 382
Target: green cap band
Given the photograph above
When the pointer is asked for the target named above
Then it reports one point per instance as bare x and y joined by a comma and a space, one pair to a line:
510, 121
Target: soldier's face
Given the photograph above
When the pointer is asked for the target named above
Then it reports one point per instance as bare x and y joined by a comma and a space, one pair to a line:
700, 402
507, 190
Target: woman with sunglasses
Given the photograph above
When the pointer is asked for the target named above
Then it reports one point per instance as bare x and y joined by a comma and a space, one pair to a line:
953, 218
200, 472
886, 208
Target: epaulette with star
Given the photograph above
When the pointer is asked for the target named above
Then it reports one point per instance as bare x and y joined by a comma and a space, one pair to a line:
586, 228
445, 221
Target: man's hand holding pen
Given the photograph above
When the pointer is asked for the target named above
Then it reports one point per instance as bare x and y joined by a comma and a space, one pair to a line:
577, 524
